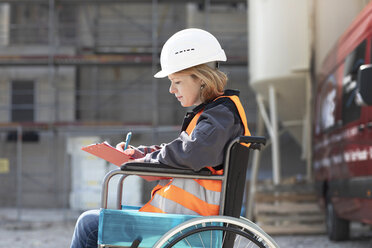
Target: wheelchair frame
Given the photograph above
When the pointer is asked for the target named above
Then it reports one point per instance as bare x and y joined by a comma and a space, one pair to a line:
159, 170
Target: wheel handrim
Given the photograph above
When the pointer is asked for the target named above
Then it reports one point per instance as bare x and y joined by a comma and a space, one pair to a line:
243, 223
224, 229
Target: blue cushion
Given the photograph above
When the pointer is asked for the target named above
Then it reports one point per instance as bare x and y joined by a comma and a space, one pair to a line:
122, 227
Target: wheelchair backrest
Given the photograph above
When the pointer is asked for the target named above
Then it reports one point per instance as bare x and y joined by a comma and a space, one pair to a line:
235, 169
235, 179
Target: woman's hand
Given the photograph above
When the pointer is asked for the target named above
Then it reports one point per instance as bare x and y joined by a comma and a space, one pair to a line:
128, 151
135, 154
120, 146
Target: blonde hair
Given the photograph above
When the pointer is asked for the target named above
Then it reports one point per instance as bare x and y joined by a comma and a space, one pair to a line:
213, 81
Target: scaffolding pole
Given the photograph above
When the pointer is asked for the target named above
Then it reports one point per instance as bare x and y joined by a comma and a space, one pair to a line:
154, 81
19, 173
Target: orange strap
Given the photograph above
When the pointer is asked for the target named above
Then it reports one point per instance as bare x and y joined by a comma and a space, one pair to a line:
190, 128
212, 185
150, 208
156, 188
193, 122
241, 112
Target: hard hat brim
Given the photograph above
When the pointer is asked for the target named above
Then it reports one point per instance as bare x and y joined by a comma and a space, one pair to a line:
161, 74
221, 56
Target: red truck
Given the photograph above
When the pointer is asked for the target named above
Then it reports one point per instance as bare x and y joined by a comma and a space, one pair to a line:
342, 130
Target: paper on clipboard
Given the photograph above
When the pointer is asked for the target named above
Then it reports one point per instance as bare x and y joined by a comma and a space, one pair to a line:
107, 152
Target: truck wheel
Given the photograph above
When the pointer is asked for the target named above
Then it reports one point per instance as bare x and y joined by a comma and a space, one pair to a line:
337, 229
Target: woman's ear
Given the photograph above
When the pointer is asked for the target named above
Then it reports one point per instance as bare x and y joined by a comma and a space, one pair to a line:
202, 84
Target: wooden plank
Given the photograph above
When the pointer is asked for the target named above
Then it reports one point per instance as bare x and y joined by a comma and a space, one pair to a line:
289, 209
293, 229
266, 197
286, 208
290, 218
292, 188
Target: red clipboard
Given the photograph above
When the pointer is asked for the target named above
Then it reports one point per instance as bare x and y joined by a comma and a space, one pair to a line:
107, 152
111, 154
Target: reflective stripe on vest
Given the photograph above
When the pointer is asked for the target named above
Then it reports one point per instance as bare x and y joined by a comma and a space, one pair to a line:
191, 196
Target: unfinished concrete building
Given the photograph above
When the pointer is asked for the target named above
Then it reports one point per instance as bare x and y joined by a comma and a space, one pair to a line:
75, 72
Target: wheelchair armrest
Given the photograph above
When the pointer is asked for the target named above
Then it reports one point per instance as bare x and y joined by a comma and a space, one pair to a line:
150, 172
255, 141
162, 168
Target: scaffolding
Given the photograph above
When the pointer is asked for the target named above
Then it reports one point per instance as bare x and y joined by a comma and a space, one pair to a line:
92, 63
101, 36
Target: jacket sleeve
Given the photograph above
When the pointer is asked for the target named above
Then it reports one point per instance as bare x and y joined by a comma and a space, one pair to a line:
205, 147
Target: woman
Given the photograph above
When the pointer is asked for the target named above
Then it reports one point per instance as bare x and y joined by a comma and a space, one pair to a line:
189, 59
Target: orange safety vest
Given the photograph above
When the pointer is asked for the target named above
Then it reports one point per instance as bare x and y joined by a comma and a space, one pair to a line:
191, 196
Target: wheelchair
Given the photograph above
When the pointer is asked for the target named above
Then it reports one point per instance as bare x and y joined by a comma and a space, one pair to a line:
127, 227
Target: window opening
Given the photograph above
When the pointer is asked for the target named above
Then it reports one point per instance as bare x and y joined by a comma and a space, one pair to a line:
23, 97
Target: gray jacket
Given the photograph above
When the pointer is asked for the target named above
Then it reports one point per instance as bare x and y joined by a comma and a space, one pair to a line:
218, 124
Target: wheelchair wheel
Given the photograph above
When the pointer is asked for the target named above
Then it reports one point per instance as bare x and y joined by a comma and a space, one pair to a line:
216, 231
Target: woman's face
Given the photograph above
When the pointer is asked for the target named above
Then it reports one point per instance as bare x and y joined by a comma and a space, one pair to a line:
185, 88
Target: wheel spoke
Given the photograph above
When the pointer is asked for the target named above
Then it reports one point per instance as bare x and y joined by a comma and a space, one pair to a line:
211, 241
250, 244
186, 240
224, 235
240, 239
201, 239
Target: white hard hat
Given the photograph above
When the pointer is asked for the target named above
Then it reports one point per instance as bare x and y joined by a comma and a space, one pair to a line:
187, 48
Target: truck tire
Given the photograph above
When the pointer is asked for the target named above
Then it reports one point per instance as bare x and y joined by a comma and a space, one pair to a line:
337, 229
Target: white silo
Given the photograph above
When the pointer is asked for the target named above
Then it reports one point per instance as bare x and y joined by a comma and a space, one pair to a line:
279, 62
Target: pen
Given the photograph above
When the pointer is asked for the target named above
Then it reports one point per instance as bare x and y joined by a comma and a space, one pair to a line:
127, 140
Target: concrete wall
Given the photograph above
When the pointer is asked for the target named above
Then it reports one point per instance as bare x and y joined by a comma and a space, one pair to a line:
124, 94
226, 22
54, 101
127, 27
43, 178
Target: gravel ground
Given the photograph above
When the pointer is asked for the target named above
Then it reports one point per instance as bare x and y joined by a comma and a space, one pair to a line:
56, 235
53, 229
31, 228
321, 241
